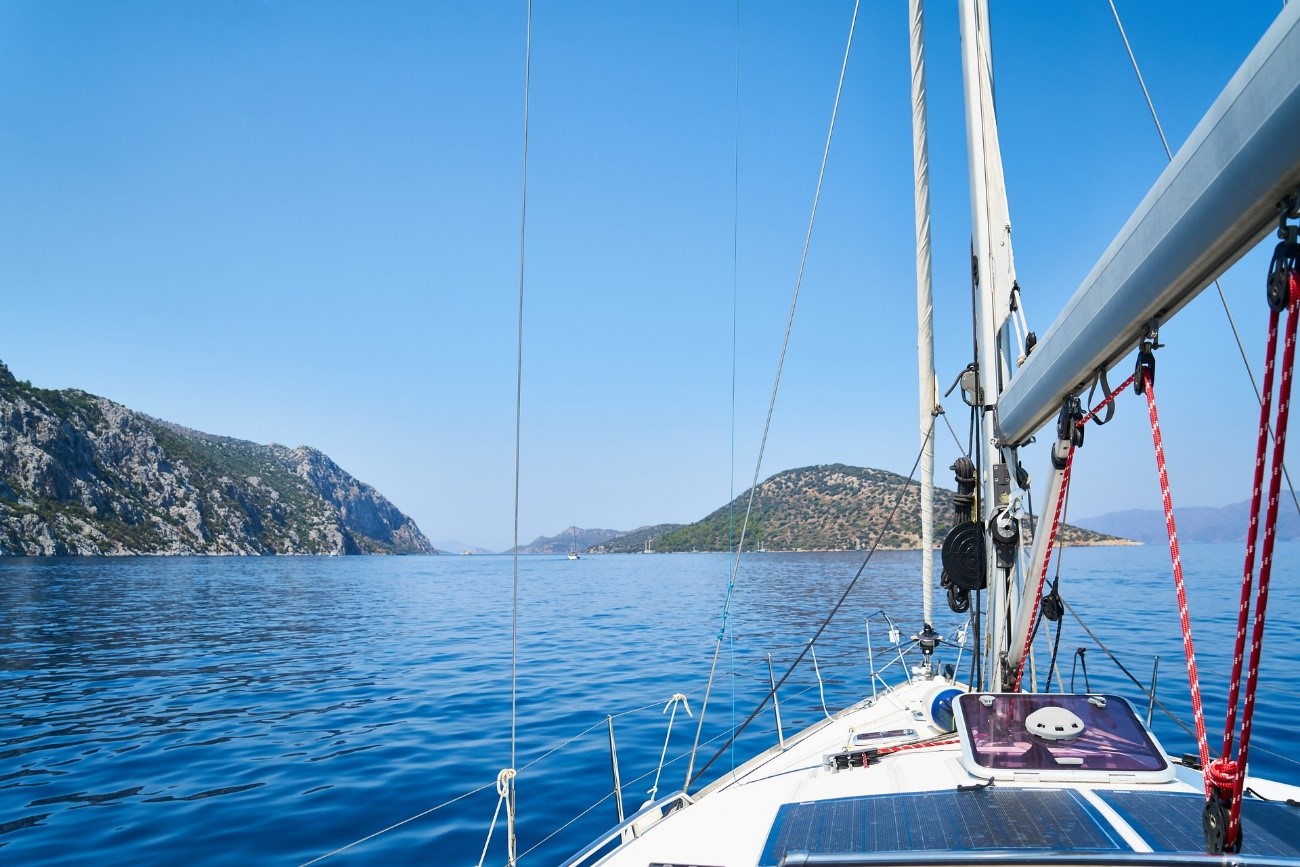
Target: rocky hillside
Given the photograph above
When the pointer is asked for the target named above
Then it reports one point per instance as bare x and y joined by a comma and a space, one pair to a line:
80, 474
833, 507
638, 541
570, 538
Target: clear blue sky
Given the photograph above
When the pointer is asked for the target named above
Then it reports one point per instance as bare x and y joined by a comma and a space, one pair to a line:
297, 222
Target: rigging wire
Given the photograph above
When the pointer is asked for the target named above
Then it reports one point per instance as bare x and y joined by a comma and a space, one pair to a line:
1223, 299
1115, 659
735, 295
776, 385
961, 449
519, 391
889, 522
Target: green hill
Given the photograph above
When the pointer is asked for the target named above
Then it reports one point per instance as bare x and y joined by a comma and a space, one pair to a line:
640, 540
832, 507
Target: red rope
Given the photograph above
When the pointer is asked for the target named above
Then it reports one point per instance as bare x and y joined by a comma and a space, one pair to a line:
1266, 560
902, 748
1047, 562
1252, 535
1184, 617
1056, 524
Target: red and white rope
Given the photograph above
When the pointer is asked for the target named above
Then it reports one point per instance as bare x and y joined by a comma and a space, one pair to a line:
1180, 586
1266, 560
1057, 514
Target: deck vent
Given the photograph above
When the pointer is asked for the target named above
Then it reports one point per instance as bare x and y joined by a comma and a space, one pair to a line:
1054, 723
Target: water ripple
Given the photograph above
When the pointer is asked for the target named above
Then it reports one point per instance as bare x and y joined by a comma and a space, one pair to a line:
268, 710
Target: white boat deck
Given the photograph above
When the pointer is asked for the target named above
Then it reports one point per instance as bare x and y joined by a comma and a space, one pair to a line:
730, 822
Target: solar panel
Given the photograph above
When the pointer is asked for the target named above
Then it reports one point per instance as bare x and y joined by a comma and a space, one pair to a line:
1171, 822
988, 818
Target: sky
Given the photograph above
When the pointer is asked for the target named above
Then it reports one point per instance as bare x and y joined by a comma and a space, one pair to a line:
299, 222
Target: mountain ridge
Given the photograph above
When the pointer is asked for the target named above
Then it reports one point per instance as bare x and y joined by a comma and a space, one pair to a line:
83, 475
1195, 523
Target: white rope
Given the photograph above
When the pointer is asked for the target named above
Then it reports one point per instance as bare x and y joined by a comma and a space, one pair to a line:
776, 385
929, 389
663, 754
503, 793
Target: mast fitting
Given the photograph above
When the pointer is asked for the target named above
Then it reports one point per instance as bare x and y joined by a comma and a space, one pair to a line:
1146, 358
1286, 255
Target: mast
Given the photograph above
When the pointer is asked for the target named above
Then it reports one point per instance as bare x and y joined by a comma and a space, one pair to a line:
994, 272
924, 305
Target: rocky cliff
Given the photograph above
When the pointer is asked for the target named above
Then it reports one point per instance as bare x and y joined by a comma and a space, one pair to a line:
80, 474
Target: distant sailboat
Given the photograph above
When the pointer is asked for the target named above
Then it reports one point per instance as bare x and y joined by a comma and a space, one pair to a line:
573, 543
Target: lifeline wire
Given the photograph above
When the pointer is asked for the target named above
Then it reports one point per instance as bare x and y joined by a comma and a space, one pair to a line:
1223, 299
397, 825
1115, 659
776, 384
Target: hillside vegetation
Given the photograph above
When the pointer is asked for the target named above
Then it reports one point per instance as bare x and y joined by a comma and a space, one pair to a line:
80, 474
831, 507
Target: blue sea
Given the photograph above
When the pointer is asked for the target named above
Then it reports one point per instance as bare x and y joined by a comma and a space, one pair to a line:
274, 710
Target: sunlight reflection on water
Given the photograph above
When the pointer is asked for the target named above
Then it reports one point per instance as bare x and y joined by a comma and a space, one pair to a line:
268, 710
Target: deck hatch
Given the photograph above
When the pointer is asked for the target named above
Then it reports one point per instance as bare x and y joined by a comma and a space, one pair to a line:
1171, 822
1056, 737
985, 819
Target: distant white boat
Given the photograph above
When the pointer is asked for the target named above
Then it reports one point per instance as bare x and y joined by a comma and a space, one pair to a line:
573, 544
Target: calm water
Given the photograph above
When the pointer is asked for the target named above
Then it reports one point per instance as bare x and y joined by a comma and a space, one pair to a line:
207, 711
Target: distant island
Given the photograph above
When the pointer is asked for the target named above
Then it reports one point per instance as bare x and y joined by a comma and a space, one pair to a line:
831, 507
1195, 523
82, 475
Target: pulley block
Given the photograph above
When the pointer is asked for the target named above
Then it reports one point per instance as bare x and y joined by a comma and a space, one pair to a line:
964, 559
1214, 821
